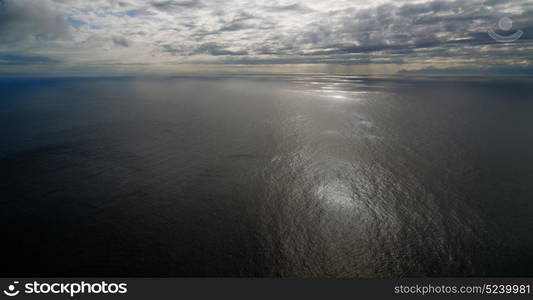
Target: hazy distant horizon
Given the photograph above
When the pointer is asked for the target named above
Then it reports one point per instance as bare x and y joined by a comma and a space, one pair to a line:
398, 76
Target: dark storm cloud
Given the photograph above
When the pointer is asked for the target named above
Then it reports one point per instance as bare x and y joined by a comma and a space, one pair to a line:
121, 41
296, 7
236, 26
124, 4
173, 4
22, 20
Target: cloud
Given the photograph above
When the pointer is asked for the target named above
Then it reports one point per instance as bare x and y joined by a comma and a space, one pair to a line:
295, 7
26, 20
172, 4
121, 41
164, 33
216, 50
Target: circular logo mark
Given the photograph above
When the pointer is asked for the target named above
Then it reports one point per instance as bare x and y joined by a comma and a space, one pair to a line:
505, 24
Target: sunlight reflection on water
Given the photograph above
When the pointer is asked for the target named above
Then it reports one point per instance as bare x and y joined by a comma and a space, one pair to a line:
299, 177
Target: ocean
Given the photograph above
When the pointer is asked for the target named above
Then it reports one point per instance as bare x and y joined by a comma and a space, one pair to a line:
266, 176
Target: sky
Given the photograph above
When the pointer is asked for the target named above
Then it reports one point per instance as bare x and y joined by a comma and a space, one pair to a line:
132, 37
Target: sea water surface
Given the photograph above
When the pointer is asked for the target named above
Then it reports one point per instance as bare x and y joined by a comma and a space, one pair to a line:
311, 176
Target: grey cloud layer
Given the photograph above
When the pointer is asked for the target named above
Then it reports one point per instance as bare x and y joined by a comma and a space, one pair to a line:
24, 20
431, 32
